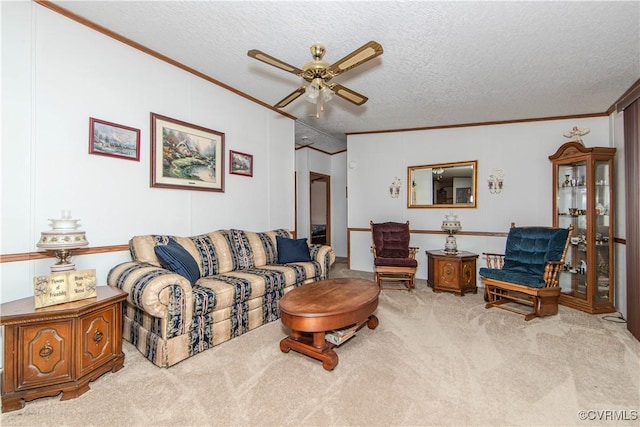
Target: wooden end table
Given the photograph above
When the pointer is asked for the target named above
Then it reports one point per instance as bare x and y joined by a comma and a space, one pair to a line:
452, 272
311, 310
60, 348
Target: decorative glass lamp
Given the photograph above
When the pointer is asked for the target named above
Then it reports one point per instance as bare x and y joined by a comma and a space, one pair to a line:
451, 225
63, 237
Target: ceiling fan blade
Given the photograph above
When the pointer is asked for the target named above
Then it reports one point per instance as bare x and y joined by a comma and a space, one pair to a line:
362, 54
287, 99
268, 59
348, 94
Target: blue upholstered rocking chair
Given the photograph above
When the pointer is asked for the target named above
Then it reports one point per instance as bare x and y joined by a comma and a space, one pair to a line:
527, 273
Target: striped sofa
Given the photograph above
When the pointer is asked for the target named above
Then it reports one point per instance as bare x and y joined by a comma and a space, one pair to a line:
170, 319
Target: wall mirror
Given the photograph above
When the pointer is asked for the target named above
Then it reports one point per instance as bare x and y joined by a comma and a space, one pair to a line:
444, 185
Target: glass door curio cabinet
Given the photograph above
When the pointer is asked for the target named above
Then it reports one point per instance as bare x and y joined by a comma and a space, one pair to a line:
583, 196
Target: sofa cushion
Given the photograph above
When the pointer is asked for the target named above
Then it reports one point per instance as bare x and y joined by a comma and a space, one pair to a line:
217, 252
234, 287
268, 247
174, 257
241, 251
292, 250
213, 253
142, 248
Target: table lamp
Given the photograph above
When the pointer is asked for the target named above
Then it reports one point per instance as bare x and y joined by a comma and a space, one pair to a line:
63, 237
451, 225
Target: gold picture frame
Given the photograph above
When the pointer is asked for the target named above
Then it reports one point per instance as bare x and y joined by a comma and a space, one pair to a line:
186, 156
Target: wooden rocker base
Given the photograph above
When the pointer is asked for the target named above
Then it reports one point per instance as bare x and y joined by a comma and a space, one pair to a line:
405, 275
543, 301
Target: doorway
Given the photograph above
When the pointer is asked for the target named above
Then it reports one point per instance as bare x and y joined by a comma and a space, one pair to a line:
320, 208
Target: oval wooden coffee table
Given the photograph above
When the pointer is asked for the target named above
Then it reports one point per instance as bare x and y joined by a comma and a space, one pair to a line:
311, 310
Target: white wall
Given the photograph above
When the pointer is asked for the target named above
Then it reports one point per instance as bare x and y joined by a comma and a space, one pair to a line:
57, 74
310, 160
339, 193
521, 150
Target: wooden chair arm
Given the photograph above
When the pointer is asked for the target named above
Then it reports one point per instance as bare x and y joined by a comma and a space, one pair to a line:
551, 270
494, 260
412, 252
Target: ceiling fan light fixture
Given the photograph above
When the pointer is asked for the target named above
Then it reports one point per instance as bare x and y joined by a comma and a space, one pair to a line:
326, 94
318, 73
318, 93
312, 92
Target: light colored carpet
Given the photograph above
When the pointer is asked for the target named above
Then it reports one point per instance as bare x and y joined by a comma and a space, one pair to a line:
435, 359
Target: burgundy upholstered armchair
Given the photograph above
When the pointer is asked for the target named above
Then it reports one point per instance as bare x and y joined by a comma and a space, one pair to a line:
394, 260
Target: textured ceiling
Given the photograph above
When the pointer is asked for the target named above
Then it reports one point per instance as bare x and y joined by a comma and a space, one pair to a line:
444, 63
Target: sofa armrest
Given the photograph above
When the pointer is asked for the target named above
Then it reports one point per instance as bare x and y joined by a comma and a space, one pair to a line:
324, 255
494, 260
155, 290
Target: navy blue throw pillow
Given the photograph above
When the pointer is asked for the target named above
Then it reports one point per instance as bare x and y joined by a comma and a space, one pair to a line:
292, 250
174, 257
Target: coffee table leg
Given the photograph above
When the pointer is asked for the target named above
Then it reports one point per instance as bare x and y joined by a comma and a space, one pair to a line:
315, 347
330, 360
318, 340
284, 345
372, 322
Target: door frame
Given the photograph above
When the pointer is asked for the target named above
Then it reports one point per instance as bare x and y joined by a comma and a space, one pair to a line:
315, 176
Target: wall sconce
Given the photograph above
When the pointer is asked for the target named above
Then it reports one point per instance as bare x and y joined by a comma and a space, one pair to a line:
63, 237
496, 181
394, 188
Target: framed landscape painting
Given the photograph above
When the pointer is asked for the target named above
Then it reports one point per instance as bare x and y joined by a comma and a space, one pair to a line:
186, 156
240, 163
112, 139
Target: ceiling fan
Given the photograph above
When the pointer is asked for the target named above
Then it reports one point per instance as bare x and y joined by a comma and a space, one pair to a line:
318, 73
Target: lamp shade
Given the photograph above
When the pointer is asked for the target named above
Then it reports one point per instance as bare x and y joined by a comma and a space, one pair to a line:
64, 235
451, 224
57, 239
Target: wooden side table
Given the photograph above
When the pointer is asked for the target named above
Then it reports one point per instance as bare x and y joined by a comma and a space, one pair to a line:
452, 272
60, 348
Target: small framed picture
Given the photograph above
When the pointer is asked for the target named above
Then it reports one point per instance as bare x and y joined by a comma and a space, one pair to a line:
240, 163
186, 156
114, 140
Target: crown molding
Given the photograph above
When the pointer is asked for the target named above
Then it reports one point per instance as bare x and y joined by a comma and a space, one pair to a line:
627, 98
498, 122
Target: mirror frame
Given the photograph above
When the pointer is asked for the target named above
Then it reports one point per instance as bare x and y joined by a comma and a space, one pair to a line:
474, 204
